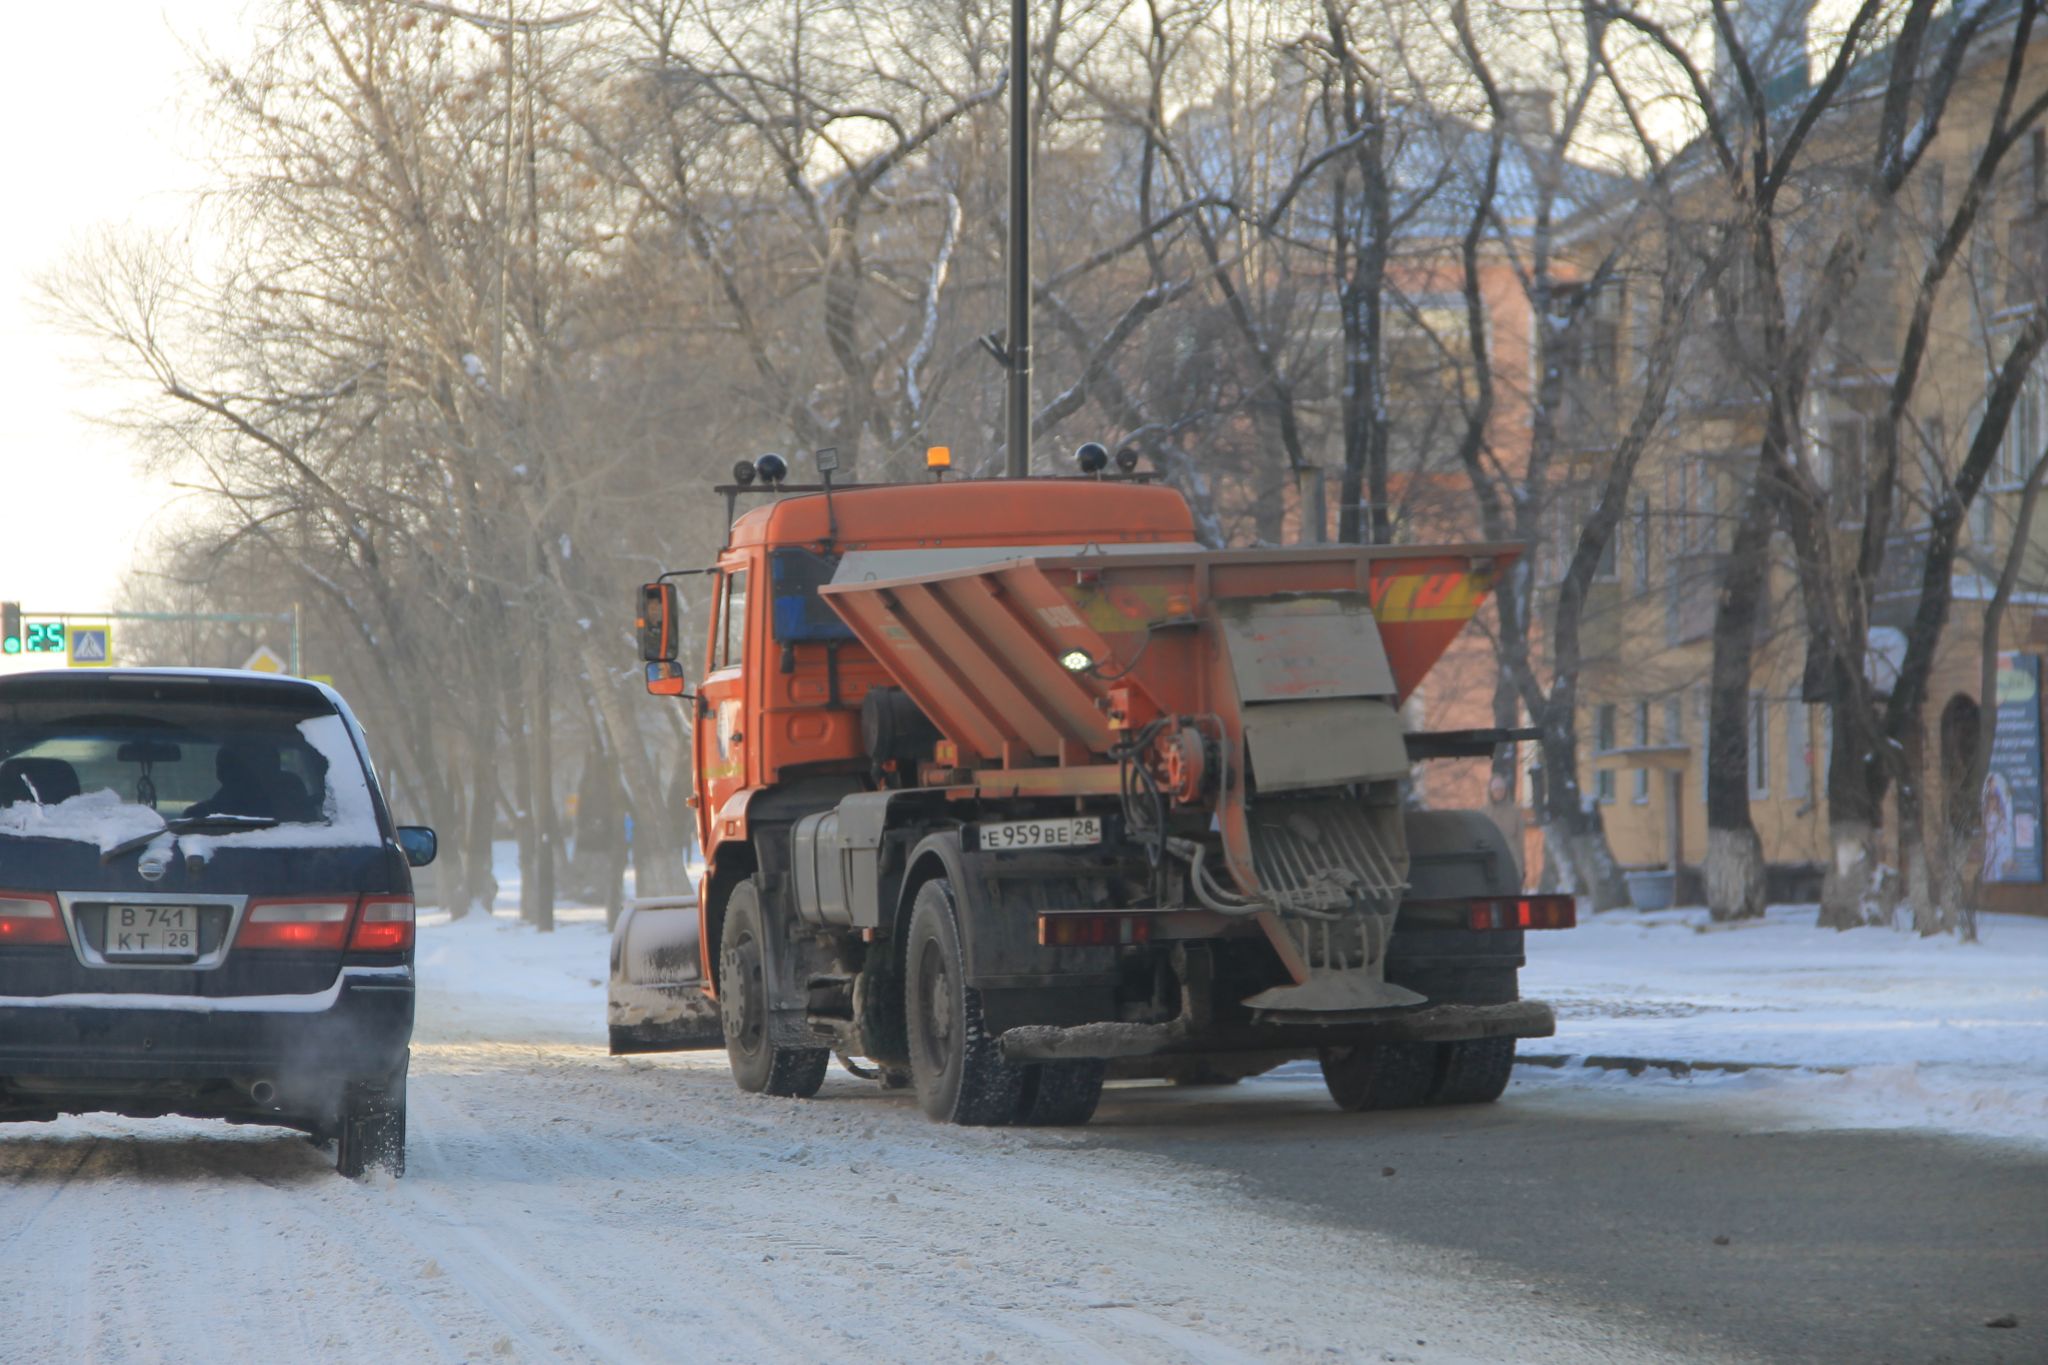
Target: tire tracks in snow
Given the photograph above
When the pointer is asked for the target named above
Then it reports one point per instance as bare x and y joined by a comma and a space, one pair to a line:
21, 1179
518, 1294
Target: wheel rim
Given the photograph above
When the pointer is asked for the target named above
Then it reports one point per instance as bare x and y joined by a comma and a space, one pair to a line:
935, 1007
748, 1029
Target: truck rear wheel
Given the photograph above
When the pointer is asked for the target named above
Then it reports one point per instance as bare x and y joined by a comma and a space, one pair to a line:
1060, 1094
1475, 1070
958, 1070
1380, 1075
760, 1066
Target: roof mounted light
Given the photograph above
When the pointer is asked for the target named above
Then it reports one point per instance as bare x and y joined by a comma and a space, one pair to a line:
1077, 661
772, 468
1093, 457
743, 472
1127, 459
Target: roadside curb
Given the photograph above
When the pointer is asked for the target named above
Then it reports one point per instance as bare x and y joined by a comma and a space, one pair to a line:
1636, 1066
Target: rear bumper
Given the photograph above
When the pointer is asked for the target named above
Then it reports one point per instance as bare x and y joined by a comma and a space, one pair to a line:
1436, 1024
357, 1029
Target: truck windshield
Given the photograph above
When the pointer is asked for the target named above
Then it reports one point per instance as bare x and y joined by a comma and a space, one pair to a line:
800, 614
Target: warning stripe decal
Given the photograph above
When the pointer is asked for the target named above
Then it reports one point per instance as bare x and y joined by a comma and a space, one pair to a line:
1427, 597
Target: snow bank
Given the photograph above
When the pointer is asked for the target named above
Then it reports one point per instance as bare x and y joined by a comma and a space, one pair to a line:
1911, 1032
495, 977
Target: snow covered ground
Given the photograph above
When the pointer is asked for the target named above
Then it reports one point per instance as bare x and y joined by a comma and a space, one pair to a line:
1886, 1029
564, 1204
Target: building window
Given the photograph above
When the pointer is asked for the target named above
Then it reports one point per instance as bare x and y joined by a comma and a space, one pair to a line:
1562, 519
1674, 721
1827, 747
1933, 468
2024, 433
1702, 709
1674, 594
1798, 752
1639, 528
1642, 775
1984, 251
1603, 742
1610, 549
1845, 469
1759, 746
1705, 512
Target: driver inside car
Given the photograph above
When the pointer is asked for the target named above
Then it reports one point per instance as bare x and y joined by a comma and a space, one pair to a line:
253, 781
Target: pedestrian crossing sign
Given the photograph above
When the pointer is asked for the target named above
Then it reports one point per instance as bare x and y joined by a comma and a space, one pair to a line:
90, 647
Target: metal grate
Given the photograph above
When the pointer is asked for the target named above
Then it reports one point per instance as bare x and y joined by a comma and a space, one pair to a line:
1325, 855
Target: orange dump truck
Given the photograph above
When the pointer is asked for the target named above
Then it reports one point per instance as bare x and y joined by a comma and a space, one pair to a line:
1007, 787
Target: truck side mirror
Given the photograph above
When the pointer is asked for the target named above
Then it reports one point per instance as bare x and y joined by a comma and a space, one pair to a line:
665, 678
659, 618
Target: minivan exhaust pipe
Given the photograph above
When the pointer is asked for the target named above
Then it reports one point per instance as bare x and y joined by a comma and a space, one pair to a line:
264, 1091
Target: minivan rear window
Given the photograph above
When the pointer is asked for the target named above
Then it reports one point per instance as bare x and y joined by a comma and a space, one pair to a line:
108, 768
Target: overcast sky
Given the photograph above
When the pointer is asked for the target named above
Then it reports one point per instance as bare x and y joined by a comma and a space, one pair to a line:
102, 107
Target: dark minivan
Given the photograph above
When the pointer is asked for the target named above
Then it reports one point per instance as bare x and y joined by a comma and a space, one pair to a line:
205, 908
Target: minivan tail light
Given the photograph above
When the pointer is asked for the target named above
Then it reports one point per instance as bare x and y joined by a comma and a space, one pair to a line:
384, 926
26, 917
310, 923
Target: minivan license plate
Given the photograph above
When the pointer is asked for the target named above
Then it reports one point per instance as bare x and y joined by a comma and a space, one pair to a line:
1075, 832
152, 931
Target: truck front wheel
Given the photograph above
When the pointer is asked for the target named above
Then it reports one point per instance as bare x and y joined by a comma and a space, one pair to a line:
760, 1066
959, 1072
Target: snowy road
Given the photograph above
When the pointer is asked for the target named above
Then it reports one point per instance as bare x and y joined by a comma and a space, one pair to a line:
563, 1204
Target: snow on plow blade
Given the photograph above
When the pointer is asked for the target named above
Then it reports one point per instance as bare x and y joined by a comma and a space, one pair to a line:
655, 1001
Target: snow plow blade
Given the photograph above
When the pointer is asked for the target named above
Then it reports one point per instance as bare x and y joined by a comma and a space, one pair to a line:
656, 1000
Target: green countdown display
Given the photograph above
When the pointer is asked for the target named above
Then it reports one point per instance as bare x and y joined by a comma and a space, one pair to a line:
43, 637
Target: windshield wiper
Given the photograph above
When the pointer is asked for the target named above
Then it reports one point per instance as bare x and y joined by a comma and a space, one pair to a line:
192, 824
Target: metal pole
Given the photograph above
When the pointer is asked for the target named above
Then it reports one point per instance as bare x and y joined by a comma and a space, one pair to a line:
1019, 346
297, 671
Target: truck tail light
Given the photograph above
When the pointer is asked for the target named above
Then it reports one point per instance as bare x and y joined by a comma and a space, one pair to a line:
28, 917
1092, 931
384, 926
310, 923
1525, 912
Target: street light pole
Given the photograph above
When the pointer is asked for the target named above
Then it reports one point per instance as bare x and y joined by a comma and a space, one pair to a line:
1019, 341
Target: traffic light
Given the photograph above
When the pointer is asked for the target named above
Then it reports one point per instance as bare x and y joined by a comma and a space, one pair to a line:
10, 627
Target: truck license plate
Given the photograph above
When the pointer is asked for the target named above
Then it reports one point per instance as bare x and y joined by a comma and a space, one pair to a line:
1074, 832
153, 931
